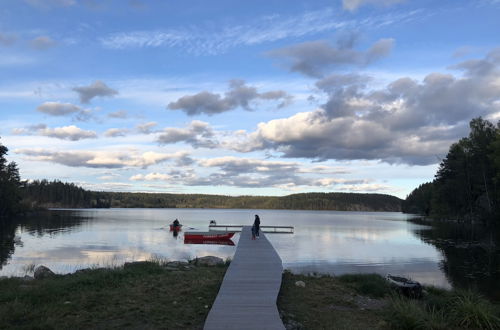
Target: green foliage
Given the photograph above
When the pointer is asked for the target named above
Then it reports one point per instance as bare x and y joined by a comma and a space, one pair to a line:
10, 183
309, 201
146, 296
406, 314
441, 309
471, 310
372, 285
59, 194
327, 303
419, 200
466, 185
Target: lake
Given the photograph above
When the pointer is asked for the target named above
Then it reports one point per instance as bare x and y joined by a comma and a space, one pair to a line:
331, 242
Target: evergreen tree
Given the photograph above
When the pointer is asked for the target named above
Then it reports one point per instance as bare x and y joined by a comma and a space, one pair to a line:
466, 185
10, 183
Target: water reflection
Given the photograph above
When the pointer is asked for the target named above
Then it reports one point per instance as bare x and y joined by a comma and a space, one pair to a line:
7, 241
472, 254
42, 225
324, 242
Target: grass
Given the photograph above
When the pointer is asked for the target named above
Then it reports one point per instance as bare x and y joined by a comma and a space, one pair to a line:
143, 295
366, 301
470, 310
329, 303
153, 295
439, 309
372, 285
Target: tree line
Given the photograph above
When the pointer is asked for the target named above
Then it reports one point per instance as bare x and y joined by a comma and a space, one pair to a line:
305, 201
467, 183
18, 196
58, 194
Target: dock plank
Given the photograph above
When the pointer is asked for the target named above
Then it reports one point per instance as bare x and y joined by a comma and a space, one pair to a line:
247, 296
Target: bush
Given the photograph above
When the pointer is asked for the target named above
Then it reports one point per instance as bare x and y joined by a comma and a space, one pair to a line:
372, 285
406, 314
471, 310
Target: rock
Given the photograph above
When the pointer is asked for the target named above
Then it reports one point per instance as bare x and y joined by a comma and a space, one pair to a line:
27, 278
177, 263
67, 302
206, 306
42, 272
171, 268
301, 284
210, 261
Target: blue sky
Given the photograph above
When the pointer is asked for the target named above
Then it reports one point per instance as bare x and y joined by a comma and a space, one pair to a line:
254, 97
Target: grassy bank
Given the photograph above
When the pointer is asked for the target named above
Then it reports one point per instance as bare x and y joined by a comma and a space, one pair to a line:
144, 295
367, 302
159, 295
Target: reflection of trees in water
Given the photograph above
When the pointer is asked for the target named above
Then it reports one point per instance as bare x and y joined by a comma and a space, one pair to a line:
46, 223
7, 241
472, 255
52, 222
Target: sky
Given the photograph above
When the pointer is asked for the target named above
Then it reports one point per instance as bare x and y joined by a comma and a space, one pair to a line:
244, 97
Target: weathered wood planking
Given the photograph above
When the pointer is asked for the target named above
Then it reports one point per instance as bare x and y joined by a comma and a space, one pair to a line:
247, 296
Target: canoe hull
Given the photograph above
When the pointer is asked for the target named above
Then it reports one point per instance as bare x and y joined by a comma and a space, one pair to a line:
207, 236
407, 287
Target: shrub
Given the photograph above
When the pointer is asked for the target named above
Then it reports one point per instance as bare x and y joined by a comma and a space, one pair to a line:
471, 310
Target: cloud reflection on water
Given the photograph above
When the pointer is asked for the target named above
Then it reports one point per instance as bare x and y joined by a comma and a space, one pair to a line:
326, 242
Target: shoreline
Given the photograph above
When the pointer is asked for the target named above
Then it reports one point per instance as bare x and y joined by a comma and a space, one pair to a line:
160, 293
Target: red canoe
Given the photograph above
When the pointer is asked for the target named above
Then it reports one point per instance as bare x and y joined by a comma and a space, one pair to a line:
207, 235
176, 228
209, 241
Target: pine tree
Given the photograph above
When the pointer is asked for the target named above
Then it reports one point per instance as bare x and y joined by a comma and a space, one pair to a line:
10, 184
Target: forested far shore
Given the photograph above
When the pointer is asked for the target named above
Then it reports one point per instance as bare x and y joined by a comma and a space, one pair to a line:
19, 196
466, 186
43, 194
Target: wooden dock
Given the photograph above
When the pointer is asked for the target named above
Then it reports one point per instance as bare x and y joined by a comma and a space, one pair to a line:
247, 296
265, 229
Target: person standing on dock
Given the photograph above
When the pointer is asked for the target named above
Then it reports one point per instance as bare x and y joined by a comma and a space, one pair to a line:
256, 225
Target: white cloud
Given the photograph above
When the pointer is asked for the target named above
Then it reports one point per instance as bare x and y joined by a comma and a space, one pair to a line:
352, 5
151, 177
97, 88
121, 114
115, 132
408, 121
101, 159
146, 128
203, 40
7, 39
42, 43
45, 4
199, 134
238, 95
314, 58
58, 108
71, 133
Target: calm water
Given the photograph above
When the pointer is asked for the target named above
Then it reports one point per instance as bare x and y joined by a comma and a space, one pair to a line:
324, 241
